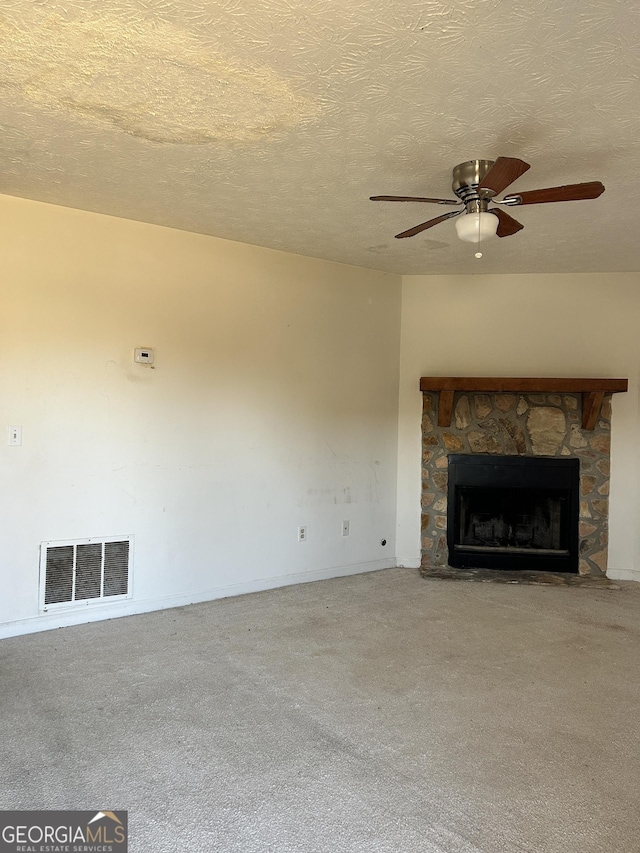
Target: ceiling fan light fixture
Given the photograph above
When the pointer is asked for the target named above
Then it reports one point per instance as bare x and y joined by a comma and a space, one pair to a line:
476, 227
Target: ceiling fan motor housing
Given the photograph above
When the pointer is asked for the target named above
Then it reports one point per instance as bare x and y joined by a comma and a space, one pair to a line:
467, 177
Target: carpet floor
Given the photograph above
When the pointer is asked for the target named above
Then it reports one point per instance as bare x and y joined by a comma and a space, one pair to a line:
379, 712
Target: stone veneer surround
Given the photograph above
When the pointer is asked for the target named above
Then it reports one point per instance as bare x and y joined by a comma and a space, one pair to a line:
517, 425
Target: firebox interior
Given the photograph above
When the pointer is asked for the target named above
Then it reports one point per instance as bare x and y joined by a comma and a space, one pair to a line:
513, 512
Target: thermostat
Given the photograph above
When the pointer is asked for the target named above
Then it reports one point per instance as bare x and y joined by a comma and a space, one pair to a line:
144, 355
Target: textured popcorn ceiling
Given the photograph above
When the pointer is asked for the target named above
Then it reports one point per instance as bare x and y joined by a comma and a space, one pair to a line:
272, 121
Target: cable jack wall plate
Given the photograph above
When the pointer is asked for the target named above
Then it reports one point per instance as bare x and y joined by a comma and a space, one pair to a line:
144, 355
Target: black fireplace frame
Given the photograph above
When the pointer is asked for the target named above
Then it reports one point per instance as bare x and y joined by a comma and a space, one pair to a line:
510, 473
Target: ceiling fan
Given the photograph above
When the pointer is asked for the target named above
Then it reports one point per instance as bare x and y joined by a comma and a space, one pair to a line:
476, 183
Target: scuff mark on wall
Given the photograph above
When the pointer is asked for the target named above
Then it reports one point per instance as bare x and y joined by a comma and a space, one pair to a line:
375, 480
146, 77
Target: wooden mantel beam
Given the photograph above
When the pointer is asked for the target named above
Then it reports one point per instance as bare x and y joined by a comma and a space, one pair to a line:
592, 390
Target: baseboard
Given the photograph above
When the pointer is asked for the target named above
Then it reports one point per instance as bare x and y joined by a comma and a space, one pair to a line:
408, 562
99, 612
623, 575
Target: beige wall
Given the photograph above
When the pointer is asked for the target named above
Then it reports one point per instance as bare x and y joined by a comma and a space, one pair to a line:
273, 404
524, 325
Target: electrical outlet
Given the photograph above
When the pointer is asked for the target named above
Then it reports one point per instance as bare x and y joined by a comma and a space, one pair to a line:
302, 533
345, 528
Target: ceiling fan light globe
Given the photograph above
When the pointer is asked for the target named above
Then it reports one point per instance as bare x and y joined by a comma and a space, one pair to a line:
476, 227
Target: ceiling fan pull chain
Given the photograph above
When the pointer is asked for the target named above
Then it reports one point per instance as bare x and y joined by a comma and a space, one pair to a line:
478, 252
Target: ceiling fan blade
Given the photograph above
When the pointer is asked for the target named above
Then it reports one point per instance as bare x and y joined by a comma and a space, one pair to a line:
570, 192
507, 225
503, 172
424, 225
413, 198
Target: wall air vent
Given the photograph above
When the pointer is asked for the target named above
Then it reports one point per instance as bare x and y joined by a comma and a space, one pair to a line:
84, 571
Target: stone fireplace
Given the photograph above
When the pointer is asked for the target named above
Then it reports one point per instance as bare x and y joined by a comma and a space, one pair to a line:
519, 421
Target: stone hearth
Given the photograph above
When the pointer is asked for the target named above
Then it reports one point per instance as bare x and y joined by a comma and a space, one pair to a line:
518, 424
